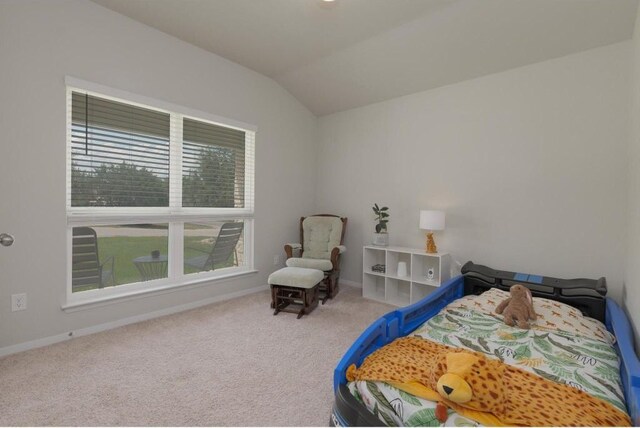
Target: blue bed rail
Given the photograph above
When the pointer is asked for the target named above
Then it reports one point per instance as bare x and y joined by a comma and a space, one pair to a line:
403, 321
413, 316
618, 323
396, 324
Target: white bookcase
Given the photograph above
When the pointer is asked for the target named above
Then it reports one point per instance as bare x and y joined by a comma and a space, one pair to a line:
388, 287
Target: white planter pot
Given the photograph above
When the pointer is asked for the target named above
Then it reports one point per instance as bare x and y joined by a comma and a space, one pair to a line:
381, 239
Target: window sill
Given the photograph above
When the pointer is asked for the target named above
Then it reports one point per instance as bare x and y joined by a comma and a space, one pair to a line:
127, 295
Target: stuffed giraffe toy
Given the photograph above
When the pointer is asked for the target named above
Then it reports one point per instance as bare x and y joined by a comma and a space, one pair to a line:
485, 390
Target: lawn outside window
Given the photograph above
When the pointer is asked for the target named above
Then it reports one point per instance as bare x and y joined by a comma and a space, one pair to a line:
157, 195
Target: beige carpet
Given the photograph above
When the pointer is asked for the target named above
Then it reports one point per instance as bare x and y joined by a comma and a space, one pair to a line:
230, 363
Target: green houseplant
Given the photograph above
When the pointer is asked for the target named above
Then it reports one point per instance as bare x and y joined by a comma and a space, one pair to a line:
381, 237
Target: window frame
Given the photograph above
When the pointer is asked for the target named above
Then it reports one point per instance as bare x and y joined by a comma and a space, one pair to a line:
174, 215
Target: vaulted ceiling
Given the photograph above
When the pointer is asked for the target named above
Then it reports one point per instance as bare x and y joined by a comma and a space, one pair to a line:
349, 53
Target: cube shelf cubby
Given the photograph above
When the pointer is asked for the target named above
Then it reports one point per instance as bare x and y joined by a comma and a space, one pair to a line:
389, 287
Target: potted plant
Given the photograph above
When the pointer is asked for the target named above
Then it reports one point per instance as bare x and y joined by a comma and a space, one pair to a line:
381, 237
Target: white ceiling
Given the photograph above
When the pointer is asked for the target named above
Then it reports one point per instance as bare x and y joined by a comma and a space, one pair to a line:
336, 56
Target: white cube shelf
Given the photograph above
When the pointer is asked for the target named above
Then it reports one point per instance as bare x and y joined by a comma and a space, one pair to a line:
374, 287
397, 290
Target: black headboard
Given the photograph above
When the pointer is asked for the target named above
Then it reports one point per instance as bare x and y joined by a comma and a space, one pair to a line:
587, 295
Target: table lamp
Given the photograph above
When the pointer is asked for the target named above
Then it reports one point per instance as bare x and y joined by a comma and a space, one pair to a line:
430, 221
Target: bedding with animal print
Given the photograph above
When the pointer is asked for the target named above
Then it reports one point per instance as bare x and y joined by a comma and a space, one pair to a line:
585, 363
395, 407
582, 362
551, 315
482, 388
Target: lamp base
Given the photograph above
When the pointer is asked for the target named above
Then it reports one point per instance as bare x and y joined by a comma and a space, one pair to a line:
431, 244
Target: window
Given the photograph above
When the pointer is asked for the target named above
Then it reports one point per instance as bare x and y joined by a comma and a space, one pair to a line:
119, 154
157, 195
213, 162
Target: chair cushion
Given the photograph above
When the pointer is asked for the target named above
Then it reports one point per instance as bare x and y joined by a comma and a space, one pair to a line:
320, 264
321, 235
296, 277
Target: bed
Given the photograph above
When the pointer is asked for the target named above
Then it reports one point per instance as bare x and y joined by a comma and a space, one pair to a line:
607, 354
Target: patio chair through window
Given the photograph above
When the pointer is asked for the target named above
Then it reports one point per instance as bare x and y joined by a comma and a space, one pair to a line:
224, 247
87, 272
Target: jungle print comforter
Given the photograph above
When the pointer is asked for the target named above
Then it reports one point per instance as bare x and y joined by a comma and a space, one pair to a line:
587, 363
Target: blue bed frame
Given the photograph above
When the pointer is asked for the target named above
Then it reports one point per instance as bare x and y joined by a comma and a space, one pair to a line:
349, 412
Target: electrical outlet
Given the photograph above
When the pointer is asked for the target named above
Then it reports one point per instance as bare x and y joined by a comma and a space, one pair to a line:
276, 260
19, 302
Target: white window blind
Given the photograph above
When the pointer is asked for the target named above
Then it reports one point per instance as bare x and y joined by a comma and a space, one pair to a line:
213, 165
119, 154
130, 155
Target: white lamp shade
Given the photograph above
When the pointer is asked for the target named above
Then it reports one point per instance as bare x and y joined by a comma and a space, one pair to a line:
431, 220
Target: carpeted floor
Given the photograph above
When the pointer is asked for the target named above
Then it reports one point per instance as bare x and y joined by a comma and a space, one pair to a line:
230, 363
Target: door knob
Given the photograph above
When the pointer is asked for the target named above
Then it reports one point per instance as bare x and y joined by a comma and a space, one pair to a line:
6, 240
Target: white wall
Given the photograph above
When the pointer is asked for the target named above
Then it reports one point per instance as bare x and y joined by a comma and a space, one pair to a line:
40, 43
529, 165
632, 271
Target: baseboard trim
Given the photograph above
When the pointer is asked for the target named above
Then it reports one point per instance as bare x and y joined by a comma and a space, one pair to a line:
38, 343
350, 283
